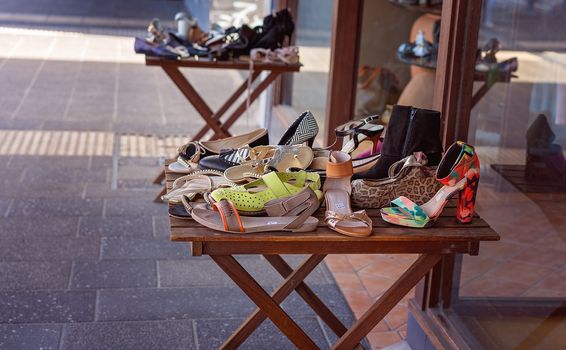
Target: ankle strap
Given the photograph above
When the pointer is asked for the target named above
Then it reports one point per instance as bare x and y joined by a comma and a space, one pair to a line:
302, 205
339, 165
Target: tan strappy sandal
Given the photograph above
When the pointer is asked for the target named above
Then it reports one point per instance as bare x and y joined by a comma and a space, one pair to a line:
337, 188
287, 214
278, 158
197, 183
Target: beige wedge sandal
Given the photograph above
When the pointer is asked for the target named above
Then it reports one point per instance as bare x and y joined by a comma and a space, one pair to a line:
287, 214
337, 189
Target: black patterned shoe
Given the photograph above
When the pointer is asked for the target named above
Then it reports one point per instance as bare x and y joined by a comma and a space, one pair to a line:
304, 129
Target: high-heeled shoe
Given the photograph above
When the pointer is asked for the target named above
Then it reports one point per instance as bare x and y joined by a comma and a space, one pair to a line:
545, 159
304, 129
337, 189
459, 172
362, 142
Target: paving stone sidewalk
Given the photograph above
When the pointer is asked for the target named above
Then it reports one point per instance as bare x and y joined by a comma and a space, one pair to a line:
85, 256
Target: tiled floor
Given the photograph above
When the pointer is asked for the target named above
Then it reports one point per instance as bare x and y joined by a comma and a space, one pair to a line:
85, 256
363, 279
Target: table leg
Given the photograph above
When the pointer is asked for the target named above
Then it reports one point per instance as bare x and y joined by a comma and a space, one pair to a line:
267, 304
195, 99
159, 178
229, 102
387, 301
308, 295
253, 96
481, 93
292, 281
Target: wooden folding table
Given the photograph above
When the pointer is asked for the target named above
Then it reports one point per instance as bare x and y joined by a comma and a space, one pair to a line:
212, 119
436, 248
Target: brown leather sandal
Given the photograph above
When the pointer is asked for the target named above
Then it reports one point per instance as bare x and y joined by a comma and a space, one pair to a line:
286, 214
337, 189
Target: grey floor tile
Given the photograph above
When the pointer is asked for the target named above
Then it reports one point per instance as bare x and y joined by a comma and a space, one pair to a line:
171, 303
127, 206
200, 272
54, 174
114, 274
29, 336
43, 162
48, 207
140, 248
24, 275
46, 306
49, 249
137, 193
38, 189
10, 175
161, 227
212, 333
136, 226
329, 294
169, 335
16, 227
5, 204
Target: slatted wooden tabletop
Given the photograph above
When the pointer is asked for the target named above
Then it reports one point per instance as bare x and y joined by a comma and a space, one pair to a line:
446, 236
241, 64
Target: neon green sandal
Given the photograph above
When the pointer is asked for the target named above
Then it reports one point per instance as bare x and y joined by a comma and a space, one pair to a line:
275, 185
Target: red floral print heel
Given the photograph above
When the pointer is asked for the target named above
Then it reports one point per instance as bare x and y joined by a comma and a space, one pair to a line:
459, 172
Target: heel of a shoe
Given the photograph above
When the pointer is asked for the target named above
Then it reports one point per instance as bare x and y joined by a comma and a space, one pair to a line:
310, 142
467, 201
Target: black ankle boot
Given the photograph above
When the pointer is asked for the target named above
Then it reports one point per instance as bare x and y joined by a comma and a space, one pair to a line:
409, 130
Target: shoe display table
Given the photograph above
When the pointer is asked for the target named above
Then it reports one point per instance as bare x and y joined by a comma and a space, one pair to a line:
436, 247
212, 119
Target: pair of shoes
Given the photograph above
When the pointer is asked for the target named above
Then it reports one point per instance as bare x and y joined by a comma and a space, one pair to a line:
458, 172
361, 140
303, 130
191, 153
263, 159
252, 197
337, 190
271, 35
288, 54
197, 183
409, 130
292, 213
409, 177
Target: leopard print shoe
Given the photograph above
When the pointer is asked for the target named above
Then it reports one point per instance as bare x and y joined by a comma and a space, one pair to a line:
409, 177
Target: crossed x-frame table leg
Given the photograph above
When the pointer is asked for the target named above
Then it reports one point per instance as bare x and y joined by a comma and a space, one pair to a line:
213, 119
268, 306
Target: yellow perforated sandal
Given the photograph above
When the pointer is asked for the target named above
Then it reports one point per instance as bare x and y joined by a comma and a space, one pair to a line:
275, 185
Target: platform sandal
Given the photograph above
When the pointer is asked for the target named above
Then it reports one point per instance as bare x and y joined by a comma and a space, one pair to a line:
288, 214
459, 172
337, 189
252, 197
